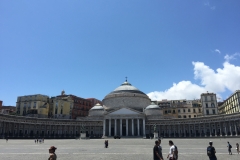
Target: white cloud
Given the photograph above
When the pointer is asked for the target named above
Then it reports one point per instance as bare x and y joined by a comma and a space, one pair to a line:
231, 57
207, 4
225, 78
218, 51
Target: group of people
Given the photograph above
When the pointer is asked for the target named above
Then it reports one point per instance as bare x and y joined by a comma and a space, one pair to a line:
229, 146
157, 151
211, 152
39, 140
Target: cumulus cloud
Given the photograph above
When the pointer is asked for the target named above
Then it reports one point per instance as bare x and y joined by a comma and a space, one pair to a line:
218, 51
225, 78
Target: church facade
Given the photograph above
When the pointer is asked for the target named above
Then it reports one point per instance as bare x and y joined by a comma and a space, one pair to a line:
126, 112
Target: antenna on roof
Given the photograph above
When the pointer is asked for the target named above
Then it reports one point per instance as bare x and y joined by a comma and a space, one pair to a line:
126, 79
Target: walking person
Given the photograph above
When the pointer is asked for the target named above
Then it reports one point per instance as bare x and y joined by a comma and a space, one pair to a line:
211, 152
160, 149
172, 153
237, 145
106, 143
52, 156
229, 148
156, 156
37, 140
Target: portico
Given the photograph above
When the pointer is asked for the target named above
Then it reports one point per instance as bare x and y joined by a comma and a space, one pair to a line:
124, 122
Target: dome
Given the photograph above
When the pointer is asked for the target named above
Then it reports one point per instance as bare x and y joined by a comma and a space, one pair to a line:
126, 95
97, 107
97, 110
152, 106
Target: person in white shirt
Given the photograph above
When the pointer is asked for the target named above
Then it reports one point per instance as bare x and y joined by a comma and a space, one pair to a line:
172, 154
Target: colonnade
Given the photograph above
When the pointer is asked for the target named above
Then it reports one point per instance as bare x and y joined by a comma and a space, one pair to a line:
124, 127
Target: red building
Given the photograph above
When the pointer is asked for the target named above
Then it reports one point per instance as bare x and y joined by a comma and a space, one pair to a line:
81, 106
94, 101
1, 105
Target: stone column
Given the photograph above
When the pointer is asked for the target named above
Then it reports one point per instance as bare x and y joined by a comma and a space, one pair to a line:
115, 127
138, 127
225, 129
220, 129
120, 127
184, 130
104, 127
189, 130
144, 133
126, 127
210, 129
132, 127
205, 134
230, 128
215, 129
235, 129
109, 129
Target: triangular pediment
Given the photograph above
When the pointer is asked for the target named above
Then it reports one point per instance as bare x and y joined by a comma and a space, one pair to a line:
124, 111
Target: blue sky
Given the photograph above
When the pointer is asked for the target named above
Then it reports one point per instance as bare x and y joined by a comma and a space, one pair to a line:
168, 49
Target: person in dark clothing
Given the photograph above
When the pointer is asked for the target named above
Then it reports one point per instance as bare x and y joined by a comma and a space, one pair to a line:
211, 152
160, 149
155, 151
106, 143
229, 148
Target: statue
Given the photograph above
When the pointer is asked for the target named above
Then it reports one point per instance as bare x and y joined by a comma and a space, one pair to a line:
154, 128
83, 129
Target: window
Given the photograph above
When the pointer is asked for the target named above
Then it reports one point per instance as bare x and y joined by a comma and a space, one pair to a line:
173, 111
205, 98
194, 111
189, 116
207, 111
184, 110
189, 110
213, 111
179, 111
169, 111
184, 117
179, 116
206, 105
195, 116
199, 110
212, 105
165, 112
211, 98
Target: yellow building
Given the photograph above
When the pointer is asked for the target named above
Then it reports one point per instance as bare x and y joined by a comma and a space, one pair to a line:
231, 105
30, 105
61, 107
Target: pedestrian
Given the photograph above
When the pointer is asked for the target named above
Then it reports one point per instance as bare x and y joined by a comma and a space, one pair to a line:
6, 139
52, 156
160, 149
37, 140
43, 140
172, 153
106, 143
229, 148
156, 156
211, 152
237, 145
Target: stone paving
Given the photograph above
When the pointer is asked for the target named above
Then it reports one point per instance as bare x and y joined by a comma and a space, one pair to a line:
119, 149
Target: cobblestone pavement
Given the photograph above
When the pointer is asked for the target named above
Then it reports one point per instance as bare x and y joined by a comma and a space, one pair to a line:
123, 149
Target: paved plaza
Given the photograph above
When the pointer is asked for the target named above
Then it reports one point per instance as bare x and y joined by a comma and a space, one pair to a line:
119, 149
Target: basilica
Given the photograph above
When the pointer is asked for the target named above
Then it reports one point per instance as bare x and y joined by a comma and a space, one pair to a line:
125, 112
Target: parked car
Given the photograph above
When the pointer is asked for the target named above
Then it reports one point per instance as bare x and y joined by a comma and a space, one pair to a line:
117, 137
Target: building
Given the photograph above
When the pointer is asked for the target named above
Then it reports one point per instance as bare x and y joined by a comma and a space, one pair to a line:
128, 112
30, 104
231, 104
8, 110
1, 105
81, 106
209, 104
94, 101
